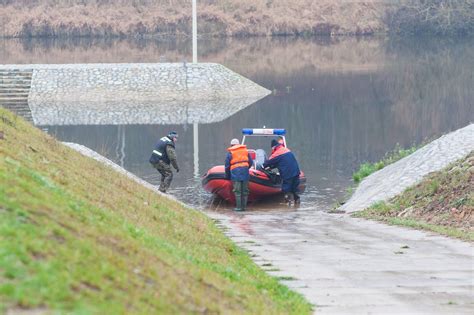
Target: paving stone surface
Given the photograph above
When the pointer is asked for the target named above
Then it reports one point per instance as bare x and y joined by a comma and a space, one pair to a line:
395, 178
353, 266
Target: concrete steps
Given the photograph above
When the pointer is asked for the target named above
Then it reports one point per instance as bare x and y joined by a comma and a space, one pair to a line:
10, 93
16, 90
15, 87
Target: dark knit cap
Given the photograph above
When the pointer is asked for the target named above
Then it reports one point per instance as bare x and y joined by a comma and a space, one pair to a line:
274, 143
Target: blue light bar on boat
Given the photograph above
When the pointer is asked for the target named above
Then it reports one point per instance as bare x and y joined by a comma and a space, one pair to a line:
264, 131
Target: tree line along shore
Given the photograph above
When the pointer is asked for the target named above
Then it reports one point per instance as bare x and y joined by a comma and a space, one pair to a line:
141, 18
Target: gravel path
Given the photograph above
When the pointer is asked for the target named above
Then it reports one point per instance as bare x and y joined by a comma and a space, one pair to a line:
395, 178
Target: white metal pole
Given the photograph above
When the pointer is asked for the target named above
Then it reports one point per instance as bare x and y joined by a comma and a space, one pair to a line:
194, 32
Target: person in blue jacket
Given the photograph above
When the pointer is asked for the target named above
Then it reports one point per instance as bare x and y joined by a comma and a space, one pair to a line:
285, 161
237, 164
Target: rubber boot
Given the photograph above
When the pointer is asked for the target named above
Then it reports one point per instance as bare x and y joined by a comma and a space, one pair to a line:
244, 202
238, 203
288, 199
297, 199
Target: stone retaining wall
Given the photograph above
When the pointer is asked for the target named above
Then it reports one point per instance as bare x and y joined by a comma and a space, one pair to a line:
130, 93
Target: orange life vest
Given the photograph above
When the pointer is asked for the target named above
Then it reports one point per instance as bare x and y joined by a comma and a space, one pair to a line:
240, 156
279, 150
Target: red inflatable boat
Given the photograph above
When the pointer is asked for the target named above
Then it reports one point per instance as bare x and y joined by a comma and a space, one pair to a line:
262, 183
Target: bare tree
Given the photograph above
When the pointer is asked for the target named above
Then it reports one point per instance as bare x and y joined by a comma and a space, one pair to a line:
432, 16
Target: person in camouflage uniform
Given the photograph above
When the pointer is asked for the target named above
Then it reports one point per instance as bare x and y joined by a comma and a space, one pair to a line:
162, 157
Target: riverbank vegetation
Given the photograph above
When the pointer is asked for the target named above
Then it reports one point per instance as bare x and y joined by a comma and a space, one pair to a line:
77, 237
443, 202
365, 169
138, 18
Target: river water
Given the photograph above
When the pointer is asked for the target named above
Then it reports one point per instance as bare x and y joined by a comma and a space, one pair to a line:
344, 101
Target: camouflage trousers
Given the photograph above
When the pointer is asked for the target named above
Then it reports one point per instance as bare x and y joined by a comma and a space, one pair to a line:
166, 175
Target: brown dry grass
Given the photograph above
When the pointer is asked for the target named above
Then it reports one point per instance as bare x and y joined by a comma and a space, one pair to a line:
216, 18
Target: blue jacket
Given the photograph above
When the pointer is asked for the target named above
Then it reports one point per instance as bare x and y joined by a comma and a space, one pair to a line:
240, 174
283, 159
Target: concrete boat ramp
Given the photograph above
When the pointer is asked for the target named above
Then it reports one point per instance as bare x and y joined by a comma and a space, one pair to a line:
345, 265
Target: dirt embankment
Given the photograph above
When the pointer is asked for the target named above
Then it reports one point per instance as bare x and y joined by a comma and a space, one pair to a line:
32, 18
445, 198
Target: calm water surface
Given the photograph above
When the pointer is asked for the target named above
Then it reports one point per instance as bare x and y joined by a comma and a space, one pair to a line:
343, 102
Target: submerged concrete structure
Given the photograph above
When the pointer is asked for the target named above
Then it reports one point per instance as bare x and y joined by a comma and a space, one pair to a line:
118, 94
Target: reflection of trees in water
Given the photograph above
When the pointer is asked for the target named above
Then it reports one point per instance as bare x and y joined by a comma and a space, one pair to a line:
93, 50
285, 56
432, 84
249, 55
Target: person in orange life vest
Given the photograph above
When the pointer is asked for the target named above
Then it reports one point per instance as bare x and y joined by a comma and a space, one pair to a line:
283, 159
237, 164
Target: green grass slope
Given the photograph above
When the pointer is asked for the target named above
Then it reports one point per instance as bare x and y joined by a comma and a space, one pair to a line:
77, 237
443, 202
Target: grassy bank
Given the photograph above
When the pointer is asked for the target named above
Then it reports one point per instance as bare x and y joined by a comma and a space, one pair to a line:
76, 237
443, 202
